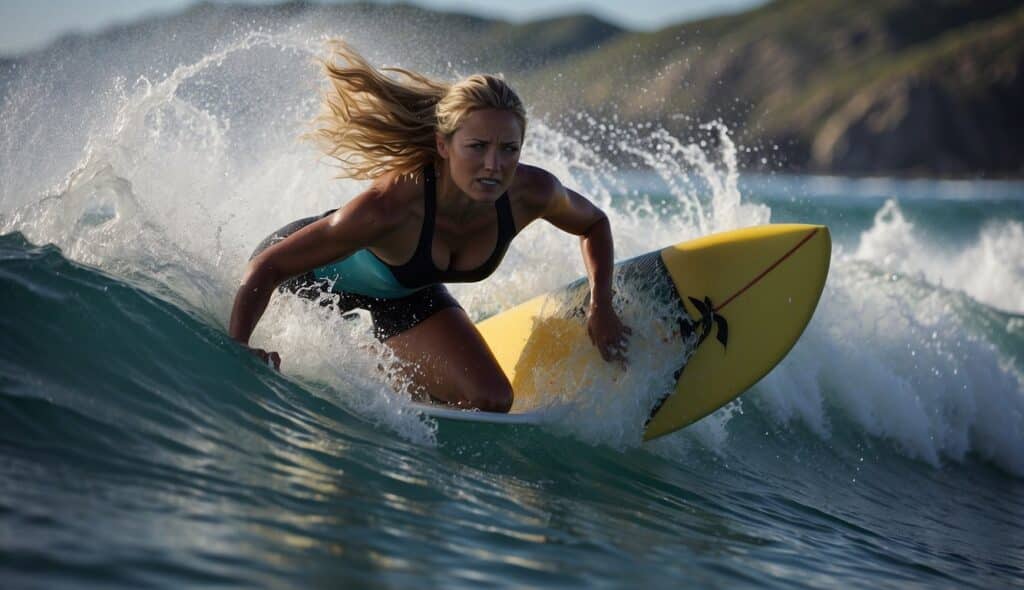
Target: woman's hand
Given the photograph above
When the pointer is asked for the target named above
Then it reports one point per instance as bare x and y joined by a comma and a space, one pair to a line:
608, 333
271, 358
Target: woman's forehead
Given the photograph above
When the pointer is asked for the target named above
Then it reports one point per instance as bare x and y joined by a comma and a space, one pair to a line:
492, 124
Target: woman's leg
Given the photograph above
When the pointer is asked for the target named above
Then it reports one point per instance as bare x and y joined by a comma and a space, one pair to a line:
450, 361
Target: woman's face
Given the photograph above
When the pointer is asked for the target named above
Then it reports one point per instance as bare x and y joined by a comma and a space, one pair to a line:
483, 153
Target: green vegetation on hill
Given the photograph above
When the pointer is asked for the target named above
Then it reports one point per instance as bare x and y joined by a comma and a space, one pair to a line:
871, 87
813, 77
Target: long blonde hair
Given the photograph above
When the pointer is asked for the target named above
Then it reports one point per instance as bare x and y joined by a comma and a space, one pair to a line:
373, 123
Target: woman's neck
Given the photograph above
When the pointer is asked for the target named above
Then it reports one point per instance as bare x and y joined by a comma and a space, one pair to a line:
452, 203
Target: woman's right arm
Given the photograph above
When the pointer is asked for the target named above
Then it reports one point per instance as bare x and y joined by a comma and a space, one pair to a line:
359, 224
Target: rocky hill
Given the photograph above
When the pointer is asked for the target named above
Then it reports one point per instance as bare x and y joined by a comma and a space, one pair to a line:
918, 87
872, 87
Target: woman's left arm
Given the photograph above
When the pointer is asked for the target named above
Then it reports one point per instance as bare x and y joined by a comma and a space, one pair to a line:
575, 214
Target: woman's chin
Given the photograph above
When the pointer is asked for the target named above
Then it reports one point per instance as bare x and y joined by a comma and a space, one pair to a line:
484, 194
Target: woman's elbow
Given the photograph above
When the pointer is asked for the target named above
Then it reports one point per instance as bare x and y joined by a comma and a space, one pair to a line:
260, 276
599, 225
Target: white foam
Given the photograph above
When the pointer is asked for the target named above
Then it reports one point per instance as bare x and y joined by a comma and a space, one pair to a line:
340, 357
177, 191
991, 269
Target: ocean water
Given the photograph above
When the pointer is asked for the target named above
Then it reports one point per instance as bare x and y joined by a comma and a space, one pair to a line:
140, 447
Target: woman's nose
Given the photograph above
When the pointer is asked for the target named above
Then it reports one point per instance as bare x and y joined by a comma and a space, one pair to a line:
491, 159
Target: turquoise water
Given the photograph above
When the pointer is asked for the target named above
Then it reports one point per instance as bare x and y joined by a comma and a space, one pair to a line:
139, 447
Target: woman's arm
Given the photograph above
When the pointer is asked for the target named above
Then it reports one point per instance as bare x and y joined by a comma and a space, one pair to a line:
575, 214
359, 224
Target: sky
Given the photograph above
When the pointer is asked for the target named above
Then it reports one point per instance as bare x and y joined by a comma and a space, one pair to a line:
30, 24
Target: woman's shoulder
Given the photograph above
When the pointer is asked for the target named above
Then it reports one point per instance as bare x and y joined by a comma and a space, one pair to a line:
387, 203
535, 187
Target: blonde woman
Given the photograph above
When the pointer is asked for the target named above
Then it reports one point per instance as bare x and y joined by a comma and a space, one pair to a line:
448, 195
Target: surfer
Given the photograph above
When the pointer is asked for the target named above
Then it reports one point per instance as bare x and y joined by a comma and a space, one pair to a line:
448, 195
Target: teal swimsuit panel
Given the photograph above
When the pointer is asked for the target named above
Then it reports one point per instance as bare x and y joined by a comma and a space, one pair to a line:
365, 274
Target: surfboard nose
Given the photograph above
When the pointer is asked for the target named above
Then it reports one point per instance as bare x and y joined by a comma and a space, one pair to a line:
762, 284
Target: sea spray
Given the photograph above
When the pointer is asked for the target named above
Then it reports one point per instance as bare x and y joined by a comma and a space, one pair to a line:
181, 175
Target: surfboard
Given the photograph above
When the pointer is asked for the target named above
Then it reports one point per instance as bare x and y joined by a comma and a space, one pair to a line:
741, 300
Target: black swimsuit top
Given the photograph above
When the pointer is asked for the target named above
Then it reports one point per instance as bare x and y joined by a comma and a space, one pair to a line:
420, 271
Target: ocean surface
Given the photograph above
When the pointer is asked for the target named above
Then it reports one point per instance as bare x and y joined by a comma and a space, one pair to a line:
140, 447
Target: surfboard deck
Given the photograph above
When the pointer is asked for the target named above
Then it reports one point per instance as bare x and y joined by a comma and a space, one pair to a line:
743, 298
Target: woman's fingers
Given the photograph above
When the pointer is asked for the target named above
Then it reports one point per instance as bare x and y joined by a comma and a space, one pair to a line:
609, 335
613, 347
616, 350
270, 358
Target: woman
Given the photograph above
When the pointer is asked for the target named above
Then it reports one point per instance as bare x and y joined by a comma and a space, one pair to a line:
448, 195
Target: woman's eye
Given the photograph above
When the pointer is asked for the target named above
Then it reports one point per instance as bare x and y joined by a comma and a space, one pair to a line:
511, 148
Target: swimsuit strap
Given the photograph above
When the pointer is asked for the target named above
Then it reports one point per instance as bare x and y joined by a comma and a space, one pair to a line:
506, 223
426, 242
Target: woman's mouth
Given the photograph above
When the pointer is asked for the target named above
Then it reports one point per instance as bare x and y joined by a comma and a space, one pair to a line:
489, 182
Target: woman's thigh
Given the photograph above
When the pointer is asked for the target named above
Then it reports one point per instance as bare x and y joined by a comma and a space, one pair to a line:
449, 360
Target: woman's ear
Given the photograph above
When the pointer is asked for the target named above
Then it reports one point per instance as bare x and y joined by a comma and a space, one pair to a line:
442, 145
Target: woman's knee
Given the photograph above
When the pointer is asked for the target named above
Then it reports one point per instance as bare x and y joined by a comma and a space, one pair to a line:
489, 392
454, 363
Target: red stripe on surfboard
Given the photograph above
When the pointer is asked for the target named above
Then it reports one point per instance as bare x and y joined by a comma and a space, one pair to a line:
767, 270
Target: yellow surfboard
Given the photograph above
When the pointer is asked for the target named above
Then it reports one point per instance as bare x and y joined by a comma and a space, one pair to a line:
742, 297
